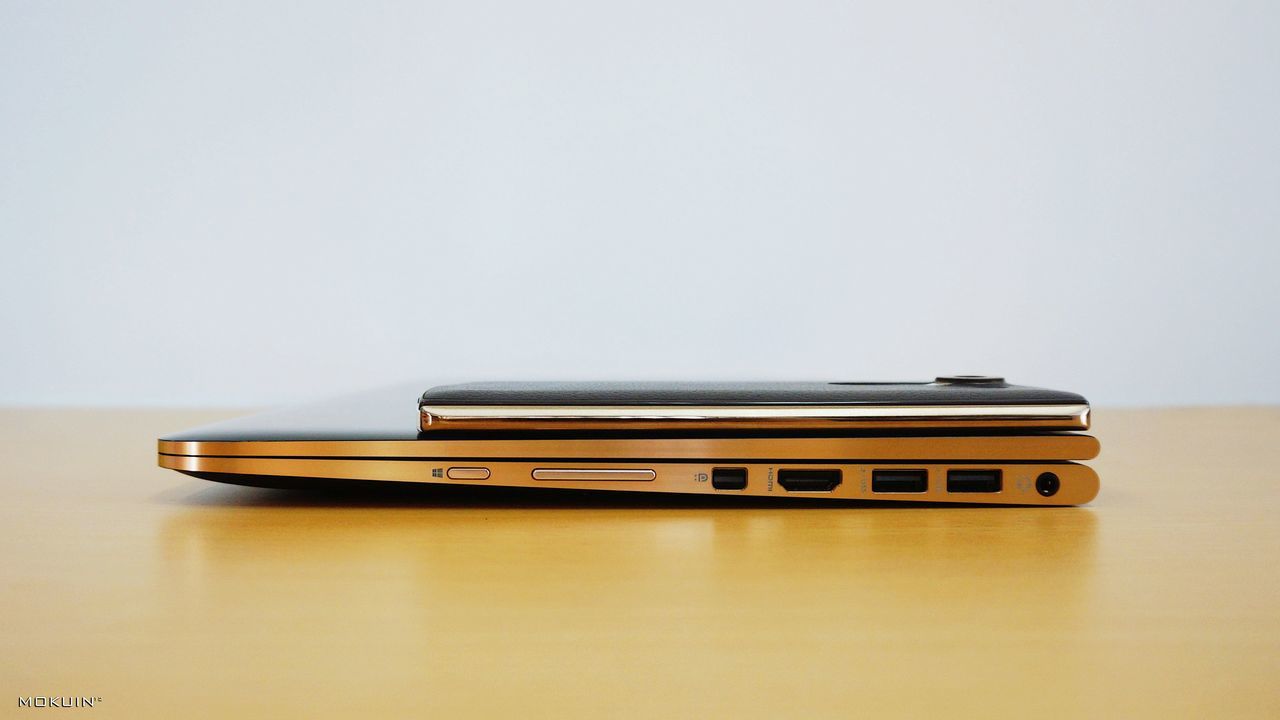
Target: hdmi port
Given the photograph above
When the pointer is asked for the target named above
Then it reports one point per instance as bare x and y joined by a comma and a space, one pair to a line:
809, 480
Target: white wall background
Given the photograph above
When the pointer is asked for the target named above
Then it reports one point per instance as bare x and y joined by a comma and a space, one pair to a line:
255, 202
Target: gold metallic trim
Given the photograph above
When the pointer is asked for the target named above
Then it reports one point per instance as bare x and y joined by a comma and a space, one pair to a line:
1078, 483
1060, 446
495, 417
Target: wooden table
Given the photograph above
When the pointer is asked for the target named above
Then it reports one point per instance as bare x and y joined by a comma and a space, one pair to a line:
171, 597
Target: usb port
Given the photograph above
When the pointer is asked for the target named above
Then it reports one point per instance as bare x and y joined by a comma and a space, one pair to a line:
809, 480
973, 481
899, 481
729, 478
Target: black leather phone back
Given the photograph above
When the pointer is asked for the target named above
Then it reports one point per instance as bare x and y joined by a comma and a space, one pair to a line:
959, 392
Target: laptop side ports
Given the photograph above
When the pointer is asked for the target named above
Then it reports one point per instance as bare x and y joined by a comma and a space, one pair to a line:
797, 480
899, 481
729, 478
974, 481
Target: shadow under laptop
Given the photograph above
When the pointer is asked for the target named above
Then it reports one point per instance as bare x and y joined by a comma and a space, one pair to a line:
425, 573
430, 569
279, 493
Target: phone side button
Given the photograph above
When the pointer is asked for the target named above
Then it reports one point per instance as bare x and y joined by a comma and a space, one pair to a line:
468, 473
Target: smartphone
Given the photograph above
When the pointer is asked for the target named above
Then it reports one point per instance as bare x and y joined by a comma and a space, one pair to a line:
952, 402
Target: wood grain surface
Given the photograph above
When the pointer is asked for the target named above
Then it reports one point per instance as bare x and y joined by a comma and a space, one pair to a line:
170, 597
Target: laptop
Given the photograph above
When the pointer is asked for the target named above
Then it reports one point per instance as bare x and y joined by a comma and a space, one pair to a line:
956, 439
